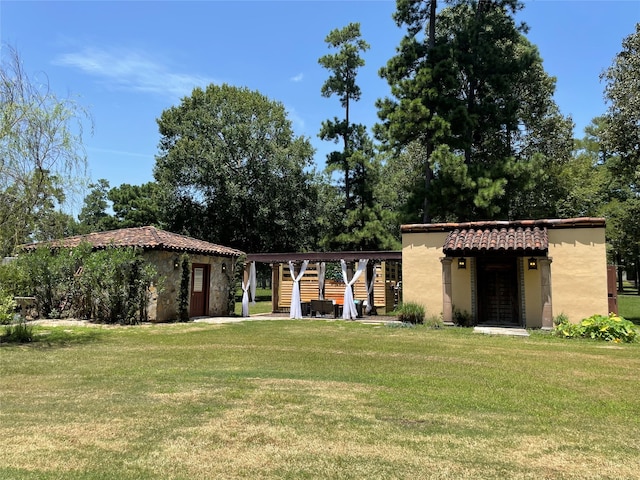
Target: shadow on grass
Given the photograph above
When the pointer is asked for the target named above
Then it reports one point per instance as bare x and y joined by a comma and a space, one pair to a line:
47, 337
629, 307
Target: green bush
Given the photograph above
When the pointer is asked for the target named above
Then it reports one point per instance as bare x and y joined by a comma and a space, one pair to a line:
410, 313
7, 308
560, 319
110, 285
183, 294
611, 328
19, 332
434, 321
462, 318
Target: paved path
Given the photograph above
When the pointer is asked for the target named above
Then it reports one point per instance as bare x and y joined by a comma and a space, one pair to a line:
516, 332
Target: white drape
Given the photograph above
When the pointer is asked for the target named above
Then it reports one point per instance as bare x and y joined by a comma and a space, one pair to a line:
370, 283
296, 310
322, 268
249, 286
245, 298
349, 311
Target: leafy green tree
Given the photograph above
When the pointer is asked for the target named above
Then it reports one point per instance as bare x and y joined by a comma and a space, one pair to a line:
231, 171
621, 138
136, 205
41, 151
477, 99
55, 224
622, 135
93, 216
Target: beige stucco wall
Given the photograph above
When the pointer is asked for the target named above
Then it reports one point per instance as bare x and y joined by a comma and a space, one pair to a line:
578, 272
461, 285
422, 270
163, 303
578, 275
532, 294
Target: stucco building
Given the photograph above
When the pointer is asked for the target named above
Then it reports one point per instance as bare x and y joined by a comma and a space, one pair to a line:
520, 273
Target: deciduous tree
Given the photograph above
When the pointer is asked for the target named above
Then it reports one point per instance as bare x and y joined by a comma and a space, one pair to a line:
622, 135
231, 171
40, 147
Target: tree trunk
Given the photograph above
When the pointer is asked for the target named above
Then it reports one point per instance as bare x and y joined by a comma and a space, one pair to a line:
428, 177
620, 270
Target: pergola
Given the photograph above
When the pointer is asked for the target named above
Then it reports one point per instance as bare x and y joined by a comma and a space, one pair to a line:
298, 262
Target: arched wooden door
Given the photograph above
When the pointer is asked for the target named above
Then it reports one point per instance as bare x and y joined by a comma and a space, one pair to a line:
199, 290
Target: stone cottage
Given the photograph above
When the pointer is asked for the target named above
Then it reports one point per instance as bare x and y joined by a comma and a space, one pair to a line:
212, 268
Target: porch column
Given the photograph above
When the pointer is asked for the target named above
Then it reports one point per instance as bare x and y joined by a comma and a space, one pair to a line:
545, 284
447, 307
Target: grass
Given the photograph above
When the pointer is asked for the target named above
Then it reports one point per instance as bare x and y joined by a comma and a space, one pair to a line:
316, 399
262, 305
629, 307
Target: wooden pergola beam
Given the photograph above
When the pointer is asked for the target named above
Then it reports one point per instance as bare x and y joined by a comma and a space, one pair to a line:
322, 256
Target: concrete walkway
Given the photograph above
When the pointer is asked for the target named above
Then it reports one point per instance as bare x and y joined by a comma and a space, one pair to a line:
516, 332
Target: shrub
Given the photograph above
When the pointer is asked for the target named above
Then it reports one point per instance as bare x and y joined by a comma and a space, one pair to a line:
7, 308
19, 332
410, 313
462, 318
560, 319
611, 328
183, 294
110, 285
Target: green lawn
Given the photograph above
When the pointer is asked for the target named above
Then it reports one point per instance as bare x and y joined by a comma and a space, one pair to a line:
316, 399
629, 307
262, 305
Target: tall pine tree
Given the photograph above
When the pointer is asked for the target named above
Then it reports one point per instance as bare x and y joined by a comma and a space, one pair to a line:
479, 101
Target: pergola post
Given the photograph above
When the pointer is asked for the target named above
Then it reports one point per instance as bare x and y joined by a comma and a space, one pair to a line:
447, 306
275, 287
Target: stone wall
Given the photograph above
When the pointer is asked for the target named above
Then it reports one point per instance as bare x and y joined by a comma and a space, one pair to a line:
163, 304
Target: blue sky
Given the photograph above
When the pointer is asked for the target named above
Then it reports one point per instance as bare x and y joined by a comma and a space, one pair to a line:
128, 61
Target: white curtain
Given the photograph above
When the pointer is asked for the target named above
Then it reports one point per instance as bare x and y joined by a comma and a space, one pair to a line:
349, 311
370, 282
296, 310
322, 268
250, 285
245, 298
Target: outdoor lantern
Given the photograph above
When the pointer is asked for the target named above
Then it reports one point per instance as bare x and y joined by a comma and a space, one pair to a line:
533, 264
176, 263
462, 262
224, 267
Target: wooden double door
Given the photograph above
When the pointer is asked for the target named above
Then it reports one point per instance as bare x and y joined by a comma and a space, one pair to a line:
498, 292
199, 301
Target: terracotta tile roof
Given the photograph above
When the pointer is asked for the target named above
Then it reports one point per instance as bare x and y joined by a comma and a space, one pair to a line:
580, 222
506, 239
148, 238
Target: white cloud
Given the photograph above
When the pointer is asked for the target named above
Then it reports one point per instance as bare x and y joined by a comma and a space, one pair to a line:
296, 120
134, 71
297, 78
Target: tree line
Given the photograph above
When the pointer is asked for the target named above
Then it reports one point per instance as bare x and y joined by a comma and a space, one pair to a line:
469, 131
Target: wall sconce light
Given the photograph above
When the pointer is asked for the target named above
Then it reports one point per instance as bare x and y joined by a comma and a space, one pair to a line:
533, 264
462, 263
176, 263
224, 267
